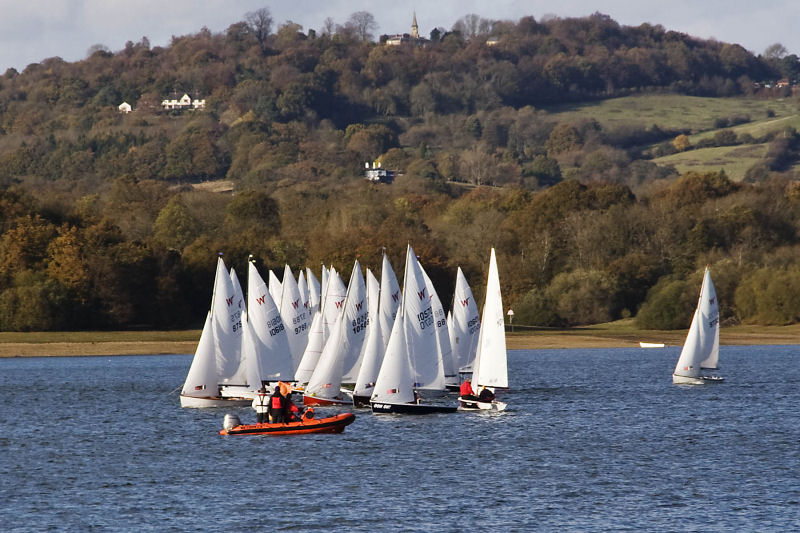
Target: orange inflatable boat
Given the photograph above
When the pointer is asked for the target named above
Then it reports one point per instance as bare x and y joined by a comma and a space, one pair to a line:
331, 424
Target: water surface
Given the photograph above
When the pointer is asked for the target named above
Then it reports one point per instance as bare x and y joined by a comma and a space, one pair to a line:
593, 440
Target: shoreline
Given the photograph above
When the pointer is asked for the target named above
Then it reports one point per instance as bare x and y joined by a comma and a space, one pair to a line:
618, 334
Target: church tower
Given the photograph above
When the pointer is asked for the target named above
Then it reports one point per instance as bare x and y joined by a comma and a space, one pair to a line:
414, 27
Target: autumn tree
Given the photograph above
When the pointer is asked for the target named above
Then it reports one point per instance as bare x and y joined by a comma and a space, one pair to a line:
259, 23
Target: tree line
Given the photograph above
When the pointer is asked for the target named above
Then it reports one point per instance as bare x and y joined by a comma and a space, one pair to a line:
104, 222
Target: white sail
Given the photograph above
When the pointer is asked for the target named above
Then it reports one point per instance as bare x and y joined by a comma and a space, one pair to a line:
390, 299
372, 349
239, 376
313, 291
305, 297
269, 341
275, 287
465, 325
335, 293
490, 367
701, 348
226, 322
443, 348
218, 355
343, 347
312, 352
420, 328
295, 317
201, 381
395, 381
250, 355
324, 285
710, 310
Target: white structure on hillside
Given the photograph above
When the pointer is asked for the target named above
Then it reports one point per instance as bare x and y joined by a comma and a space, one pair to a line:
185, 102
125, 107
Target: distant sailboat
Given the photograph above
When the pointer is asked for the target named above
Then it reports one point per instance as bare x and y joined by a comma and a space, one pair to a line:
265, 338
341, 351
465, 325
444, 350
295, 317
490, 369
217, 360
413, 338
701, 348
378, 333
332, 300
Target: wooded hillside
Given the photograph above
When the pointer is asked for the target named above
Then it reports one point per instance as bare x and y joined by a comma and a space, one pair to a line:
106, 219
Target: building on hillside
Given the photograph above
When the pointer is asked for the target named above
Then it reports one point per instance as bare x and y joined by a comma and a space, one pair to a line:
185, 102
376, 174
412, 38
125, 107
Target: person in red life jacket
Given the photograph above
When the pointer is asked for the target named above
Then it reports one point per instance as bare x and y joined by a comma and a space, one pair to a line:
276, 407
466, 391
261, 405
292, 412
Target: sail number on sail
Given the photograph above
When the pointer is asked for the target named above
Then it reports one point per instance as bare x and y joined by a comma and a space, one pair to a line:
300, 323
425, 318
236, 320
275, 326
360, 322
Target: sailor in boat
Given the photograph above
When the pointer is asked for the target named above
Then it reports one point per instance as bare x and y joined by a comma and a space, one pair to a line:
486, 395
276, 406
261, 405
292, 412
466, 392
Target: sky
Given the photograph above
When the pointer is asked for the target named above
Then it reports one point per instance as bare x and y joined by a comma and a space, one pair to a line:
34, 30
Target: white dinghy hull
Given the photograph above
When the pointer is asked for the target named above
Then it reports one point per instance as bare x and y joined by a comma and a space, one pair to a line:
687, 380
208, 401
472, 405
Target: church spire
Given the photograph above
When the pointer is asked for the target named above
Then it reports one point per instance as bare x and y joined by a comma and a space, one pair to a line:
414, 27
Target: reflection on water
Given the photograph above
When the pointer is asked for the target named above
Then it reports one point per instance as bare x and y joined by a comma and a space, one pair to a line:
593, 440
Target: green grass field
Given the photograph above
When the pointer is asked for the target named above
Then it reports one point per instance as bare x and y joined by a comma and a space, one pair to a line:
672, 111
698, 116
735, 160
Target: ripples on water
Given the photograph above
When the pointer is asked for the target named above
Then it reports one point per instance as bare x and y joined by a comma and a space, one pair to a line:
594, 440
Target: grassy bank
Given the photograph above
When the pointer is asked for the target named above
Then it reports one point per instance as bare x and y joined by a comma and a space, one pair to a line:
618, 334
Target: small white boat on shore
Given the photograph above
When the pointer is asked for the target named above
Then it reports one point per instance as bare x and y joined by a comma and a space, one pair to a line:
651, 344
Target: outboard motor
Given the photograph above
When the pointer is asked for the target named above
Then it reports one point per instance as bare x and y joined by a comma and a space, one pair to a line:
231, 421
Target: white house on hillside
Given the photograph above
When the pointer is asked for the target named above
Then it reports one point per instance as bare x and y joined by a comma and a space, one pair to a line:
185, 102
125, 107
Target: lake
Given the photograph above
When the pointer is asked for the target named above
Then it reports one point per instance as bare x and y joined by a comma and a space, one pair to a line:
593, 440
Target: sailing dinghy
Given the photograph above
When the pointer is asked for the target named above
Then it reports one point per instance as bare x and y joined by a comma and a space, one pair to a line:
217, 360
341, 352
465, 325
490, 369
413, 336
701, 349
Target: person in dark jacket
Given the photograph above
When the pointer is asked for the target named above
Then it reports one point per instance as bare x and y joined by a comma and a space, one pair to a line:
277, 407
